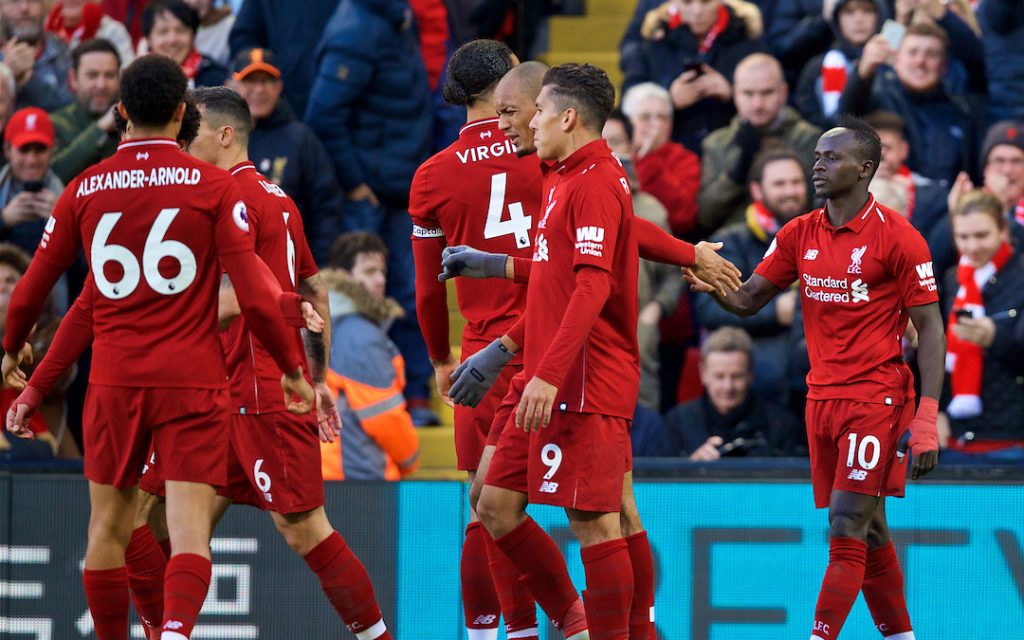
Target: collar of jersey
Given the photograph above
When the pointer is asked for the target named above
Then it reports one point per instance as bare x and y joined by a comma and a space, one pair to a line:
146, 142
587, 153
241, 166
486, 123
859, 221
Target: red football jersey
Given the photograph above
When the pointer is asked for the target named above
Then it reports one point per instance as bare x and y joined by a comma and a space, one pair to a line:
152, 221
478, 192
276, 224
588, 220
856, 283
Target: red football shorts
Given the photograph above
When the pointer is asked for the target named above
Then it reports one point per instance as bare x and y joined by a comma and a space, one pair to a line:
473, 424
279, 453
512, 445
853, 447
238, 488
188, 429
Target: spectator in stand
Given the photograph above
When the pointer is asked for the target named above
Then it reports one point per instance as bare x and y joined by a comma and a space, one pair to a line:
169, 27
8, 94
48, 424
763, 121
778, 188
691, 48
659, 286
128, 13
85, 131
276, 25
1002, 161
370, 105
964, 74
730, 419
824, 76
984, 300
287, 151
1002, 23
39, 60
366, 370
665, 169
28, 188
939, 125
78, 21
920, 199
215, 23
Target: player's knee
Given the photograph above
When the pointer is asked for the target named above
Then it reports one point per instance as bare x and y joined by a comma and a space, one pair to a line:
303, 531
110, 531
474, 495
847, 525
878, 534
495, 519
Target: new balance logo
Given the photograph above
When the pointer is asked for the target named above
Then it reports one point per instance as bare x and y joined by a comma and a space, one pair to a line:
548, 487
811, 254
173, 624
859, 289
858, 474
487, 619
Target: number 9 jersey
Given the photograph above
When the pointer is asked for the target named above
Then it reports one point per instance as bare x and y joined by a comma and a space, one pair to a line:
152, 222
477, 192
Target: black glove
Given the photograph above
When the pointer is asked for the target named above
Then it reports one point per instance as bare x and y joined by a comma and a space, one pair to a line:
748, 139
470, 263
475, 377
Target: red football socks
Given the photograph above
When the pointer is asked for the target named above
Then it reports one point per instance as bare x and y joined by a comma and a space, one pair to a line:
641, 612
517, 604
479, 599
347, 586
542, 570
145, 563
609, 593
106, 592
883, 591
185, 586
839, 589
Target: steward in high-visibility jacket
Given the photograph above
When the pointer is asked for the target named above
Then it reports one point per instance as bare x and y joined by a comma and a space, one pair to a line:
367, 374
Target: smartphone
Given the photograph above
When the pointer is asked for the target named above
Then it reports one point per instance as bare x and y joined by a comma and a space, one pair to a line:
34, 186
962, 314
893, 32
693, 64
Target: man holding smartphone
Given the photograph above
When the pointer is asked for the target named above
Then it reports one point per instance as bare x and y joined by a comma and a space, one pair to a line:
28, 188
39, 60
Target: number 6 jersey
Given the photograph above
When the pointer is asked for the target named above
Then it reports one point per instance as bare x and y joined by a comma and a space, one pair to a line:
477, 192
152, 222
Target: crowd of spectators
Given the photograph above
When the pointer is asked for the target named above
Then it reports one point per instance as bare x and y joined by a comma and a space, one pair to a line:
721, 105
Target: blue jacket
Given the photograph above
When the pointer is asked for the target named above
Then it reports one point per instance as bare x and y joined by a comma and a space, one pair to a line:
661, 62
1002, 23
290, 34
284, 149
940, 128
370, 103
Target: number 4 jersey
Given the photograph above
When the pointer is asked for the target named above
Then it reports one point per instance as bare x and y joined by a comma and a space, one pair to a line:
477, 192
152, 222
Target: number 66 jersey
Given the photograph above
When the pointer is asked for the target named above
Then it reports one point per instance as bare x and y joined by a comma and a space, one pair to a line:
152, 222
477, 192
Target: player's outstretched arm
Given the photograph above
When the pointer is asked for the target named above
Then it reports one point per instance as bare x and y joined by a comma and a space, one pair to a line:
931, 358
750, 298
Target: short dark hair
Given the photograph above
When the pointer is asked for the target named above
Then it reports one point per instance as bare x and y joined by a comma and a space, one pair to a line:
768, 156
14, 256
585, 88
886, 121
227, 106
190, 122
869, 147
929, 30
152, 87
96, 45
618, 116
348, 246
176, 8
474, 69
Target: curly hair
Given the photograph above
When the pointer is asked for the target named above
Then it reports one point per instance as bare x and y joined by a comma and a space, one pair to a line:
585, 88
152, 87
474, 69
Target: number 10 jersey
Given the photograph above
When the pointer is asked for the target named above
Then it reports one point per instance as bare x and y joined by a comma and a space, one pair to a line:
478, 192
152, 222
